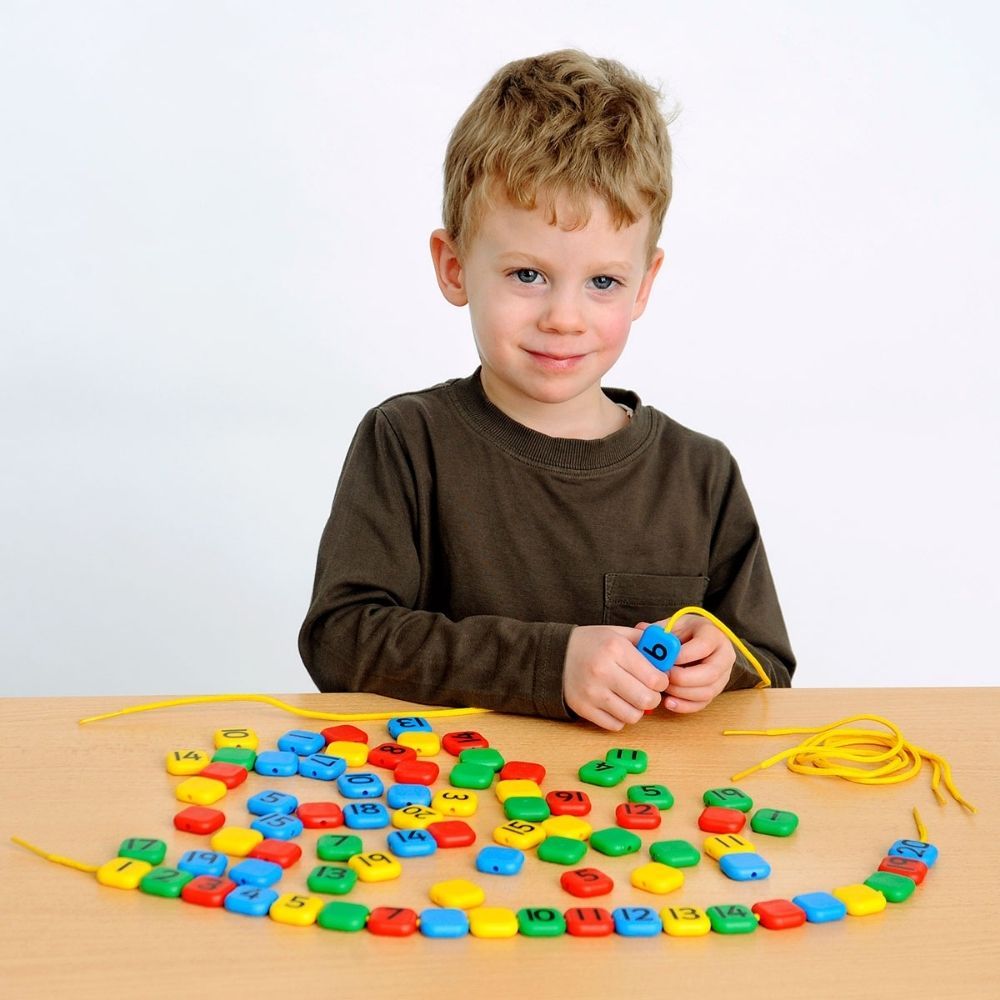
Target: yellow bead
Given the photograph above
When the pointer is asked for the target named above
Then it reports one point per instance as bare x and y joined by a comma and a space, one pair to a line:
654, 877
452, 802
860, 899
726, 843
517, 787
200, 791
459, 893
187, 761
520, 834
300, 911
235, 840
567, 826
415, 818
377, 866
492, 922
685, 921
123, 873
243, 738
426, 744
355, 754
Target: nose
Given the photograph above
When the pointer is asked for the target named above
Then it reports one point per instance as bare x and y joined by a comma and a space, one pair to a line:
562, 314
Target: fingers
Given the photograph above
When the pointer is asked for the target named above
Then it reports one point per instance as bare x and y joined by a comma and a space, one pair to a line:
683, 706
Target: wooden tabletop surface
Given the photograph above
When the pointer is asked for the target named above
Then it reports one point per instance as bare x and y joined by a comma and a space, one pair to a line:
79, 791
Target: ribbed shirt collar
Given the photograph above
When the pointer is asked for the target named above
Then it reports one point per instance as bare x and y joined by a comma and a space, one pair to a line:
567, 454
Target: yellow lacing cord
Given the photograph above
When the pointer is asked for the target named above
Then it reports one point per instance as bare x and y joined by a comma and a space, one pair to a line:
437, 713
882, 758
440, 713
56, 858
765, 681
921, 829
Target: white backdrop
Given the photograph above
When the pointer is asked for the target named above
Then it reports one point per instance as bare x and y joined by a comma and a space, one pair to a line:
213, 260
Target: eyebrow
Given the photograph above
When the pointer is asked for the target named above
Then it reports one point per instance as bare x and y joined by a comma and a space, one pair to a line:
614, 265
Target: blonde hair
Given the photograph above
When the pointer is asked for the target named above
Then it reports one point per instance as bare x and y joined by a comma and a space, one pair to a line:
562, 123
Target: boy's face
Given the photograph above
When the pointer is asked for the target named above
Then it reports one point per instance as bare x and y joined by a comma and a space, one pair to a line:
551, 308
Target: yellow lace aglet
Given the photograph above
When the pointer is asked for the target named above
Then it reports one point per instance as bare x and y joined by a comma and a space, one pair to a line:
57, 859
921, 829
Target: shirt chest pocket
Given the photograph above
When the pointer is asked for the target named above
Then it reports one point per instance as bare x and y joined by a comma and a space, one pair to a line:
648, 597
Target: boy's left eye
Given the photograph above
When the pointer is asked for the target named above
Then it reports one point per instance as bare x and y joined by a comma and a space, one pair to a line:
600, 280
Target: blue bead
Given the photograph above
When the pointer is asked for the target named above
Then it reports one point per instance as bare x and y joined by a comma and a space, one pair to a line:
820, 907
411, 843
744, 866
399, 796
500, 860
363, 785
322, 766
250, 900
256, 871
366, 816
265, 803
301, 742
637, 921
277, 763
278, 826
659, 646
919, 850
408, 724
443, 923
203, 862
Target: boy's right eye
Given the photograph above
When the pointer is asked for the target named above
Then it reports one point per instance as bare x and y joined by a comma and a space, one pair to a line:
526, 275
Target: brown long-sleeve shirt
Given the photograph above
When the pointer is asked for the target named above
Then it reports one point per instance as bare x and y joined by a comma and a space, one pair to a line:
463, 547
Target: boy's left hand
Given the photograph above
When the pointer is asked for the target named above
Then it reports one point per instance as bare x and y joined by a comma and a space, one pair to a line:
707, 657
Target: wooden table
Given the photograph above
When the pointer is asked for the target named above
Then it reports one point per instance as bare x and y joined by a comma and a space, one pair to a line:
78, 791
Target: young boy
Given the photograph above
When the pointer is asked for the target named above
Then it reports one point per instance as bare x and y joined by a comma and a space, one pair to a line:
500, 540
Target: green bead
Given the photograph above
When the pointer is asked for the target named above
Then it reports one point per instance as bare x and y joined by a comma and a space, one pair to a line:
236, 755
614, 842
675, 853
143, 849
471, 775
337, 916
732, 919
332, 880
634, 761
729, 798
527, 807
896, 888
338, 846
656, 795
165, 882
486, 756
540, 921
774, 822
600, 772
561, 850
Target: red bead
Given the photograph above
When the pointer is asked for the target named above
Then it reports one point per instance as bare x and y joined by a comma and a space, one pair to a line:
637, 816
315, 815
417, 772
281, 852
230, 775
718, 819
350, 734
910, 867
392, 921
455, 743
589, 921
207, 890
586, 882
779, 914
452, 833
566, 803
199, 819
390, 755
522, 770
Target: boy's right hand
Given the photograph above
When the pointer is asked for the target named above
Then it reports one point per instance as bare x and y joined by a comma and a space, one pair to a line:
606, 679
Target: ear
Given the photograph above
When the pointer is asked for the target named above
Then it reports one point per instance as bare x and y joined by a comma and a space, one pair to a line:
647, 284
448, 268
